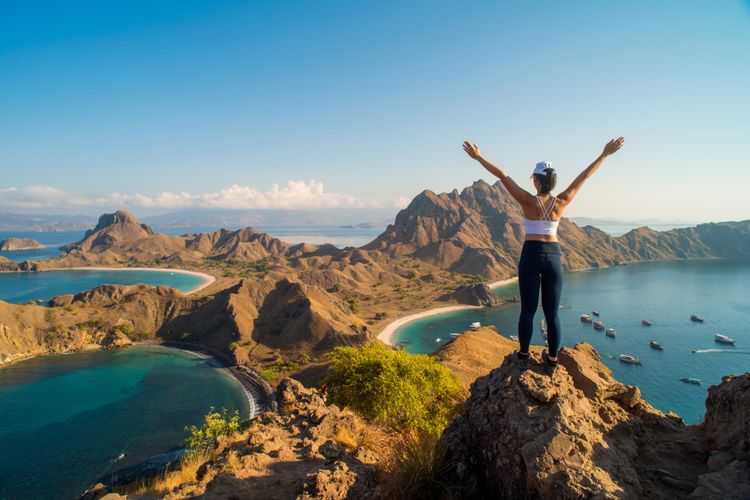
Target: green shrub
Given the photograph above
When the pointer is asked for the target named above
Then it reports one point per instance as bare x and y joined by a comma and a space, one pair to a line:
278, 368
215, 424
395, 388
353, 302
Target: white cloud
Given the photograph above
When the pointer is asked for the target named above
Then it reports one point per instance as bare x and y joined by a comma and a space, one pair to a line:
294, 195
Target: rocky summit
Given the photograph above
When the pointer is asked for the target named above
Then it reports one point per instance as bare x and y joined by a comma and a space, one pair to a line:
579, 433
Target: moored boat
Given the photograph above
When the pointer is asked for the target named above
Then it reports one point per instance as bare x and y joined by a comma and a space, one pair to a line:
598, 325
723, 339
611, 332
655, 345
645, 322
595, 312
514, 338
627, 358
696, 319
475, 325
690, 380
455, 335
438, 339
585, 318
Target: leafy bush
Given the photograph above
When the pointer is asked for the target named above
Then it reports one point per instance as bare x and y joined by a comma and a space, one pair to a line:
279, 367
353, 302
215, 424
392, 387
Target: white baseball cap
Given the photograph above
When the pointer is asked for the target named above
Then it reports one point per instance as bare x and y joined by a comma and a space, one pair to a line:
541, 166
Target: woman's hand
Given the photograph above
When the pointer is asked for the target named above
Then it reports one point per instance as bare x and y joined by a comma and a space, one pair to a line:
472, 150
613, 146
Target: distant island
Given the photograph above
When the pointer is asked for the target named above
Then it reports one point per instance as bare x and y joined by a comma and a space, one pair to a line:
15, 244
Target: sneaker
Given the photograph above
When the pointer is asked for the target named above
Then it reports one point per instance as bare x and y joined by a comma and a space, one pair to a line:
523, 360
549, 365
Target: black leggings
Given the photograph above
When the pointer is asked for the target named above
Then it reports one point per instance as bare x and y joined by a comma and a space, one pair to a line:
540, 265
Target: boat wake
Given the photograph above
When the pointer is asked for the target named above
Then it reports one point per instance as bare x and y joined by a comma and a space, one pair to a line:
732, 351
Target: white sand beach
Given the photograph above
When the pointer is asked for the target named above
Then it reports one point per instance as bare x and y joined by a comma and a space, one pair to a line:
390, 330
208, 280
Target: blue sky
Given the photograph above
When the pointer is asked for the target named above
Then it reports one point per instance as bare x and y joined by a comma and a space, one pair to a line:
163, 105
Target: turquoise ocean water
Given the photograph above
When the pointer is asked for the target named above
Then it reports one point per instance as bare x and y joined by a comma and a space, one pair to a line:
64, 420
21, 287
666, 293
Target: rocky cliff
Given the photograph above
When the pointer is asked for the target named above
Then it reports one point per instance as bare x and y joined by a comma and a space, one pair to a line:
579, 433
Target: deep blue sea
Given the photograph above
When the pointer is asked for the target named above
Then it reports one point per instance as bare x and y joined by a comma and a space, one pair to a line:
309, 233
25, 286
666, 293
65, 419
52, 240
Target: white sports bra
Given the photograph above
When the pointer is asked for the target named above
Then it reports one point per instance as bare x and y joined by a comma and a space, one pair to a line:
545, 225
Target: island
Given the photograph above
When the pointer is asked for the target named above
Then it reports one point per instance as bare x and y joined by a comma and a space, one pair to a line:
16, 244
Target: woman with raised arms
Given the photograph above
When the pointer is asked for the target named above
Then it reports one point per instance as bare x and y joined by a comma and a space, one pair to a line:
540, 265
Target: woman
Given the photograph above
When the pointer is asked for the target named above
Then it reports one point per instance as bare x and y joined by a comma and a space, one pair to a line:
540, 265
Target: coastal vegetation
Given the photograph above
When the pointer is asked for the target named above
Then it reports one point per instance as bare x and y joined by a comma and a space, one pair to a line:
406, 392
215, 424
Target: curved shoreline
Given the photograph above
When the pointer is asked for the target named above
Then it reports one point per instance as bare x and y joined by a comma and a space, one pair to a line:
208, 279
389, 332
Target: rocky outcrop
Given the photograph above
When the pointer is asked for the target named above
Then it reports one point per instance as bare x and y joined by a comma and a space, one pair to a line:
14, 244
727, 436
475, 353
474, 295
578, 433
307, 450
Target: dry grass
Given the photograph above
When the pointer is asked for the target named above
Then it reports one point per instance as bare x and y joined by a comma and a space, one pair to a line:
417, 469
233, 464
186, 473
346, 438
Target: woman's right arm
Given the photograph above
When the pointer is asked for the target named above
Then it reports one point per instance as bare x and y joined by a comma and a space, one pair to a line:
517, 192
612, 147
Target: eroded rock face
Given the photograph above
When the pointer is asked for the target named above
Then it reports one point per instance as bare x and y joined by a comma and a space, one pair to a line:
578, 433
295, 453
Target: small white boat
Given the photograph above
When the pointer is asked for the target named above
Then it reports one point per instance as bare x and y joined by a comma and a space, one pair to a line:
723, 339
627, 358
585, 318
438, 339
455, 335
475, 325
611, 332
689, 380
598, 325
645, 322
514, 338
